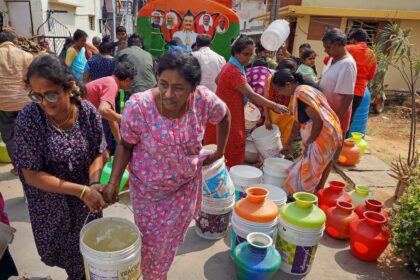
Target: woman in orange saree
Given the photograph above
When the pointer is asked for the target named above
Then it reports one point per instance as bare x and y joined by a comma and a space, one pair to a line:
320, 130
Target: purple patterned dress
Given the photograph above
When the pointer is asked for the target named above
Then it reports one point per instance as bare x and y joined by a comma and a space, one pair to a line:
57, 219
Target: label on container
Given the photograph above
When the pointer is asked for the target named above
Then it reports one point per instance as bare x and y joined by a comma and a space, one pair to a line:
219, 186
299, 257
130, 272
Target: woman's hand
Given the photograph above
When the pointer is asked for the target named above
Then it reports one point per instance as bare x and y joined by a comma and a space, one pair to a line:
110, 193
281, 109
93, 199
212, 158
286, 150
268, 124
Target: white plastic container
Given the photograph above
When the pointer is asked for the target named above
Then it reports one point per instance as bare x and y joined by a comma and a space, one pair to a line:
244, 176
297, 247
252, 116
251, 152
6, 237
275, 171
268, 142
111, 265
214, 217
275, 35
241, 228
275, 194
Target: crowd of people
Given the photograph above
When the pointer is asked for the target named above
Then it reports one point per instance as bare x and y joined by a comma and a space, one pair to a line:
107, 98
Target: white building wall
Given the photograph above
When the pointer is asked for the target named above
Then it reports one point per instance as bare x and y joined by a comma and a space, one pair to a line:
247, 9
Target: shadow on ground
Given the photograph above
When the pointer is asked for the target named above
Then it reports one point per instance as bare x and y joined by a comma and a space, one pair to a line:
330, 242
194, 243
17, 209
212, 267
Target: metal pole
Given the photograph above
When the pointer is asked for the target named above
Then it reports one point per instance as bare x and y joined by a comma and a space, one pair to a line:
274, 11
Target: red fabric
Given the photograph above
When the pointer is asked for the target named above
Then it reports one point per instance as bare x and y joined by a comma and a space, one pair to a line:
366, 65
276, 97
3, 216
230, 79
201, 30
103, 89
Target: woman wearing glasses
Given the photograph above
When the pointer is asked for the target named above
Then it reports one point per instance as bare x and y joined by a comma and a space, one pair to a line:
161, 134
58, 155
234, 90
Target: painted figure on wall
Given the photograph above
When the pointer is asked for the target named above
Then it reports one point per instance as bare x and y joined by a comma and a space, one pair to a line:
156, 19
222, 25
187, 34
205, 25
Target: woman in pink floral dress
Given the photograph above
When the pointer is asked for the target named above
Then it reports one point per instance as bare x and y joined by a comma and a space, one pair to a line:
162, 131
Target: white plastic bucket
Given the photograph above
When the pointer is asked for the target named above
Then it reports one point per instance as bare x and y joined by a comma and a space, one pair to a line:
275, 35
268, 142
251, 152
6, 237
275, 194
297, 247
275, 171
244, 176
213, 219
252, 115
122, 264
216, 180
241, 228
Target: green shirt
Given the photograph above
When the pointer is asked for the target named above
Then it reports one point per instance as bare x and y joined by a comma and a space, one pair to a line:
143, 63
308, 73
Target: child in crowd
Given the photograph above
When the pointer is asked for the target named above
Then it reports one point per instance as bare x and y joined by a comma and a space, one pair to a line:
306, 68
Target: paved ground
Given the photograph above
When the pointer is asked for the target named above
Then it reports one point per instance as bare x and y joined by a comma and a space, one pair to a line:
197, 258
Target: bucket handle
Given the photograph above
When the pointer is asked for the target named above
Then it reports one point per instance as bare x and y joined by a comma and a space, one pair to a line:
126, 205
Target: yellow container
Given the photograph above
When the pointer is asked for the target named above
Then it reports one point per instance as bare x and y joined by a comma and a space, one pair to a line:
4, 156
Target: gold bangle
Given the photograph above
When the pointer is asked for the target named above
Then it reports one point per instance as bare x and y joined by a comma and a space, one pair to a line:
83, 192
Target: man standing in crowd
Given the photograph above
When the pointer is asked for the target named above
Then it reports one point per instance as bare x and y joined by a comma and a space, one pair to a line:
338, 81
121, 34
211, 63
13, 94
365, 63
142, 62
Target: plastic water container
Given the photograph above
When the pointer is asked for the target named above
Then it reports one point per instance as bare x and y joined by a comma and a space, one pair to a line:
214, 217
216, 179
301, 226
275, 171
111, 264
6, 237
241, 228
251, 152
275, 194
361, 116
252, 116
268, 142
275, 35
4, 155
106, 175
244, 176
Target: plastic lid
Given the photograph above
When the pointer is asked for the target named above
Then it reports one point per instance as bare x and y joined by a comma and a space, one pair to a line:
275, 194
279, 164
303, 212
245, 172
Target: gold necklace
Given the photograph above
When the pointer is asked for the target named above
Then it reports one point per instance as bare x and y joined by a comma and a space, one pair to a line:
59, 126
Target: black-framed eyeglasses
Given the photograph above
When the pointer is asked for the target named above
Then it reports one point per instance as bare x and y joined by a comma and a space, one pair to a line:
51, 96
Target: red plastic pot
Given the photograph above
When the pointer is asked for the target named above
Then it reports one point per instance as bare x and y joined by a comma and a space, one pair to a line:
371, 205
339, 219
369, 237
328, 197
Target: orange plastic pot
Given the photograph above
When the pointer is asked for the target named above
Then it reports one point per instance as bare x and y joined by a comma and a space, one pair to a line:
339, 219
350, 154
328, 197
256, 207
371, 205
369, 237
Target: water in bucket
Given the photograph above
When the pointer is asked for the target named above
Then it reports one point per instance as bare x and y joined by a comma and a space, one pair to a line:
110, 237
275, 35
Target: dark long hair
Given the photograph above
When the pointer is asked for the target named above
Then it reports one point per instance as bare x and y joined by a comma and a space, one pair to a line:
285, 75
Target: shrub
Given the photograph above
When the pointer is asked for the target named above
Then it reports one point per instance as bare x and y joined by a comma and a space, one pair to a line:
405, 224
